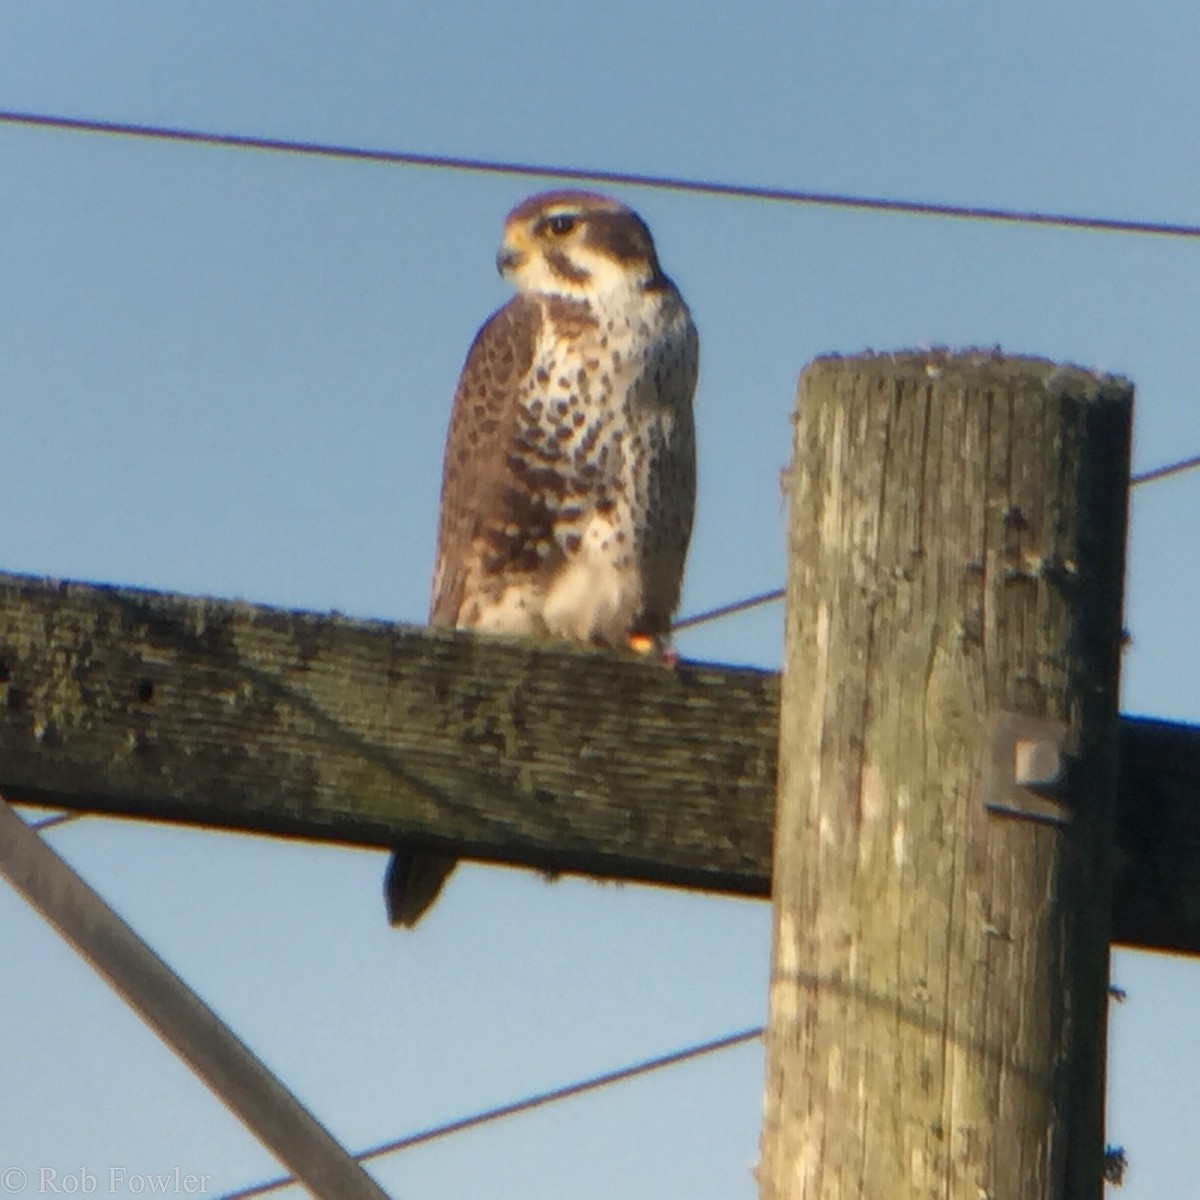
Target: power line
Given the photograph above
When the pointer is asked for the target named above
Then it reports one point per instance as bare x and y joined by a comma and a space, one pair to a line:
1178, 468
671, 183
536, 1101
57, 819
728, 610
737, 606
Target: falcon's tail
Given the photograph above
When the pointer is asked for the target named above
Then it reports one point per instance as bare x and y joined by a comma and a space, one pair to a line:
415, 877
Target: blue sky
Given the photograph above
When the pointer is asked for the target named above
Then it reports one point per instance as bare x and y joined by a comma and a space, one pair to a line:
229, 373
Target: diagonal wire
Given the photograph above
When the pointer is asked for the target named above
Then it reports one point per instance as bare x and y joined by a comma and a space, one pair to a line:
728, 610
526, 1105
1177, 468
57, 819
671, 183
183, 1021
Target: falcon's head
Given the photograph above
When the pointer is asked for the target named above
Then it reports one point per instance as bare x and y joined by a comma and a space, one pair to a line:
576, 244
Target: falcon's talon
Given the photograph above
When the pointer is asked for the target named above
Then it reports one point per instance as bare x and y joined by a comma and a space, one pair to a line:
646, 645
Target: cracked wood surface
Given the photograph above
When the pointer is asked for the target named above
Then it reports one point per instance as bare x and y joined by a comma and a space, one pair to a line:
226, 714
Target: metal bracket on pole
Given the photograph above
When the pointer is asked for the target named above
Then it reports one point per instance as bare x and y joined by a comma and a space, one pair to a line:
1025, 770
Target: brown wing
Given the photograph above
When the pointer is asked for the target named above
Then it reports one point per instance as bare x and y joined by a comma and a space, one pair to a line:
483, 424
671, 486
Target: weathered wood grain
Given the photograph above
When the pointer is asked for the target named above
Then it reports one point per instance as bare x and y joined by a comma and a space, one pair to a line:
937, 1016
163, 707
226, 714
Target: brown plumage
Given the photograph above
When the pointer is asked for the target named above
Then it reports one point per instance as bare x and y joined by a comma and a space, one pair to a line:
569, 477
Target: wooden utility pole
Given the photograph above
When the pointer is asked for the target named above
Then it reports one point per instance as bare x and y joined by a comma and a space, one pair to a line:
947, 781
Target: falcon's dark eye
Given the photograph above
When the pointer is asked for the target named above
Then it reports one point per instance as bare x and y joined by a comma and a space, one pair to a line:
561, 224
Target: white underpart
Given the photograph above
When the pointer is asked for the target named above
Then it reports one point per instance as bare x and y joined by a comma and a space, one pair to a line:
596, 596
517, 610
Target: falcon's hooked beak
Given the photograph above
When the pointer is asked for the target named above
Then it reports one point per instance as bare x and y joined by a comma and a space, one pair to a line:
508, 259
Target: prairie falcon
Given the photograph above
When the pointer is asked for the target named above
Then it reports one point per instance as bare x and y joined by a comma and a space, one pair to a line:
569, 478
